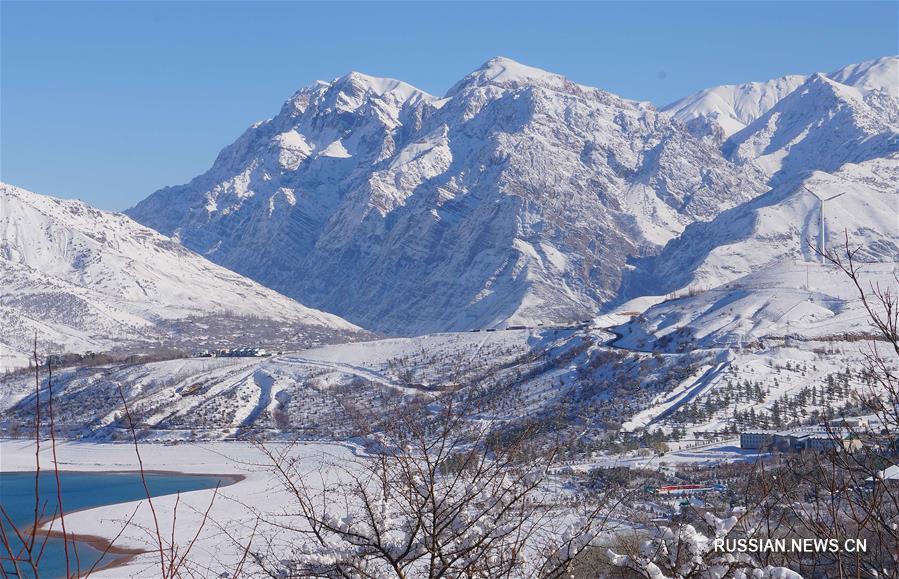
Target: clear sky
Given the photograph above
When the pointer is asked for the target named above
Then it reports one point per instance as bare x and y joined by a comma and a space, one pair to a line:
109, 101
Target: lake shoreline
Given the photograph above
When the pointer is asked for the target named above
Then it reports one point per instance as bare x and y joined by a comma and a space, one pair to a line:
120, 556
259, 492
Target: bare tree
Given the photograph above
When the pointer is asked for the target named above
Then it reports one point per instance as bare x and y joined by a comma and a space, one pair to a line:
440, 495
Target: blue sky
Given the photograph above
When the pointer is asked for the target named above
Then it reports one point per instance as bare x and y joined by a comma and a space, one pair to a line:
108, 101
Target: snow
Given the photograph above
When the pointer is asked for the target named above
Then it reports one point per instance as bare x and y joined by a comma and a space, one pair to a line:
216, 398
336, 150
294, 149
670, 401
780, 226
507, 72
773, 301
733, 107
380, 86
881, 74
821, 125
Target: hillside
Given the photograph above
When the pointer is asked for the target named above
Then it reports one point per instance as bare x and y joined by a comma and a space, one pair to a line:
88, 280
783, 224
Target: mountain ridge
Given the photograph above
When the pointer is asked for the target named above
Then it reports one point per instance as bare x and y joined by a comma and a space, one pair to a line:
517, 197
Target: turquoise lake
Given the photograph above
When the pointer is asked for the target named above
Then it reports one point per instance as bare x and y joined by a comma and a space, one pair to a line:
82, 490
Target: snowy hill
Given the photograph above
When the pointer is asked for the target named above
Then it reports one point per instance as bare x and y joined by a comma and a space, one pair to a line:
310, 390
84, 279
774, 341
791, 299
681, 364
516, 197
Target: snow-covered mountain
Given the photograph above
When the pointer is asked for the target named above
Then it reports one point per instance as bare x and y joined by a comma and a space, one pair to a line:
819, 126
520, 195
825, 138
877, 75
84, 279
728, 109
516, 197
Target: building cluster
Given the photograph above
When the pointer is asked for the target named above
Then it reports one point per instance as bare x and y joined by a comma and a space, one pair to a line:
575, 325
233, 353
804, 438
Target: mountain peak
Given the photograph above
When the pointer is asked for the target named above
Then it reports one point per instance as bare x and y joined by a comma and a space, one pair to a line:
823, 84
733, 106
877, 74
505, 72
503, 68
351, 91
358, 84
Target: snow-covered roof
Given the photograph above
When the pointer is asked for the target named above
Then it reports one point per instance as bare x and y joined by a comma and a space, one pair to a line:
889, 473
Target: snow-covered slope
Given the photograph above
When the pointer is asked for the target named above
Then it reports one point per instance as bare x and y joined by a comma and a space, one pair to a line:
310, 391
517, 197
774, 340
819, 126
732, 106
728, 109
84, 279
878, 75
835, 134
783, 224
788, 299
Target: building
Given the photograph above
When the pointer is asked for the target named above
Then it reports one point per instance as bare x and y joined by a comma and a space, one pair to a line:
797, 439
243, 352
689, 489
756, 439
854, 422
